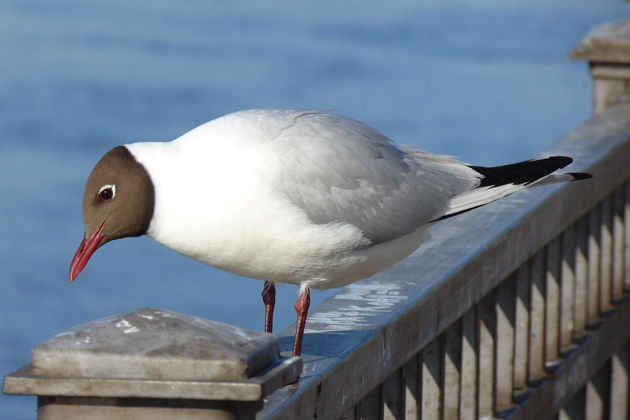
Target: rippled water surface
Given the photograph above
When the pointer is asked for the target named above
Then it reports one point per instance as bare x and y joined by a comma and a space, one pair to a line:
488, 81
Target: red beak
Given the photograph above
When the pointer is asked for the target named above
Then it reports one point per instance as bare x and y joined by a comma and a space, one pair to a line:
85, 251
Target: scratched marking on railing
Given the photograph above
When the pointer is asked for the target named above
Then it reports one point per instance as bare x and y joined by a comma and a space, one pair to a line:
365, 301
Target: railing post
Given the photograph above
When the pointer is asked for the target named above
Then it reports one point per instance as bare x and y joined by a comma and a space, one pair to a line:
153, 364
607, 49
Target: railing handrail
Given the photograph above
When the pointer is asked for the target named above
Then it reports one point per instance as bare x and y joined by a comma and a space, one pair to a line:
366, 331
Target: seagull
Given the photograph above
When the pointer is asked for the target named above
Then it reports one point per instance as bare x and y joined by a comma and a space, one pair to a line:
303, 197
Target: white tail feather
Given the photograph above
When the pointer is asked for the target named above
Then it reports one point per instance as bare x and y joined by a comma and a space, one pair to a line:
484, 195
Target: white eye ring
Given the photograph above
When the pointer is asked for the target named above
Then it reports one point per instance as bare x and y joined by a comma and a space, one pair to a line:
111, 187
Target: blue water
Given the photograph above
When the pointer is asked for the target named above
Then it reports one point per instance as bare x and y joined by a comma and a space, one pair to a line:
488, 81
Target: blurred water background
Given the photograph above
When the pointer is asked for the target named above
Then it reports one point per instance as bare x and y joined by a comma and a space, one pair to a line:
488, 81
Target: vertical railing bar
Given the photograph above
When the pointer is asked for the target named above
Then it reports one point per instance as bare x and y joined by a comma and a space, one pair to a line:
411, 375
574, 409
431, 381
618, 244
505, 302
605, 274
537, 317
597, 394
581, 278
620, 384
486, 363
393, 396
451, 374
552, 313
567, 287
594, 251
626, 218
370, 406
521, 336
469, 370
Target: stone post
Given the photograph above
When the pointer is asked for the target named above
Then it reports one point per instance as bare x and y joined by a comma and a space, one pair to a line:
607, 49
153, 364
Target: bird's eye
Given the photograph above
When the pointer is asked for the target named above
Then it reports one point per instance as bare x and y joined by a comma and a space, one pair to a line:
107, 192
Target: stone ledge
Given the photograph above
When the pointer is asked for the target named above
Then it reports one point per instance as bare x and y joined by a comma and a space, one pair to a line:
26, 382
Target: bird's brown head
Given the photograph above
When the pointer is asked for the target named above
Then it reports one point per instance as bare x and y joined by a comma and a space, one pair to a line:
118, 202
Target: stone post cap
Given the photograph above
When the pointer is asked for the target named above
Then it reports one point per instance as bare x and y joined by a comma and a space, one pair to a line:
156, 353
606, 43
156, 343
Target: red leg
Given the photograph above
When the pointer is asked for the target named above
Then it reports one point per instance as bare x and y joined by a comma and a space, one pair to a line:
301, 307
269, 299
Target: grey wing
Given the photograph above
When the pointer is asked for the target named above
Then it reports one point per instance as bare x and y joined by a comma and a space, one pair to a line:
340, 170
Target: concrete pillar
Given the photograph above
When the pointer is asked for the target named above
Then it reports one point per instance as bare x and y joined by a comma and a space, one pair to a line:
153, 364
607, 49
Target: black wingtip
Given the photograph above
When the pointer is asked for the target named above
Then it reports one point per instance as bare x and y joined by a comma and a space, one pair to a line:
524, 172
561, 161
580, 175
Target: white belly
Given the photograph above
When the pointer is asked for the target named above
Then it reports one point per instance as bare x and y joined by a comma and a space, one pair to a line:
319, 256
